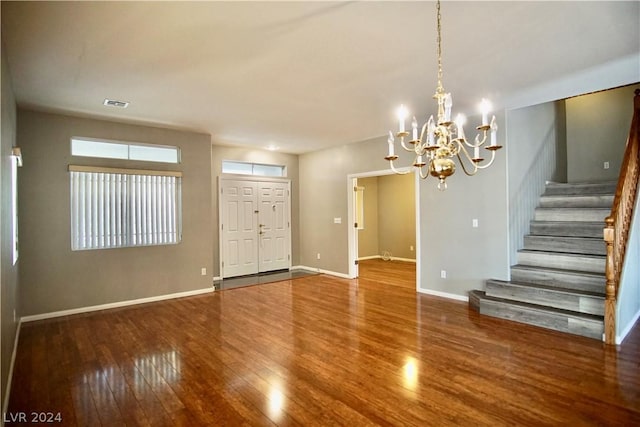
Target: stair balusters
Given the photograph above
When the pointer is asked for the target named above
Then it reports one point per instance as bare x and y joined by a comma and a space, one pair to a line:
616, 231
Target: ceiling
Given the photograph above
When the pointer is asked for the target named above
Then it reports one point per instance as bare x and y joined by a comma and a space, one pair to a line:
303, 76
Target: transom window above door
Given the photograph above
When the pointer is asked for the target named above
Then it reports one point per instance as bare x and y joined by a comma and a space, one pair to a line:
255, 169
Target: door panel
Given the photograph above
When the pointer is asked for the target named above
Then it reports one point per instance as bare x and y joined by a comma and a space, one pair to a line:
273, 217
239, 228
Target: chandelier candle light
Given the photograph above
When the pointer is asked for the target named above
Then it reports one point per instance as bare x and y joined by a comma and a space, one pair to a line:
440, 140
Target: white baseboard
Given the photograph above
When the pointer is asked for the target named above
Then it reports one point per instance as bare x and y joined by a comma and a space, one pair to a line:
444, 294
623, 334
319, 270
119, 304
364, 258
7, 391
393, 258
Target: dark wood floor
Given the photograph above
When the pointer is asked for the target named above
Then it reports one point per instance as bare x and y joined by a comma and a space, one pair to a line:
319, 351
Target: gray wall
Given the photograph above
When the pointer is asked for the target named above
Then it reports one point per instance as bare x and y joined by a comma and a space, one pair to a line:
597, 130
368, 237
323, 197
53, 277
397, 215
222, 152
536, 154
448, 241
8, 272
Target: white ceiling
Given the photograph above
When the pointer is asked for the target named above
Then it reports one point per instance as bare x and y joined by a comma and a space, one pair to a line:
308, 75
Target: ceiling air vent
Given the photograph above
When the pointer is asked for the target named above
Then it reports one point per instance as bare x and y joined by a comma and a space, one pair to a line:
114, 103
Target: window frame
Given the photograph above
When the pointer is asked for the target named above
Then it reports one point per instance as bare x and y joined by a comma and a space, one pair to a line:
131, 237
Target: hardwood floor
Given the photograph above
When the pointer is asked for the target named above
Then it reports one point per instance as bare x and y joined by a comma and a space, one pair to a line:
319, 351
396, 273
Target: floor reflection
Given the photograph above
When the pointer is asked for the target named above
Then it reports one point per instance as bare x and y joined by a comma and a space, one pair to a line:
276, 401
410, 373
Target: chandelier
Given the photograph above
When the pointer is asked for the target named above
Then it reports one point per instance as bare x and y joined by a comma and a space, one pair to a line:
442, 139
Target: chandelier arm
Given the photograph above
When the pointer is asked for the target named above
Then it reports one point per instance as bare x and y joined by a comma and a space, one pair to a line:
424, 129
426, 175
493, 157
396, 171
463, 149
478, 141
403, 145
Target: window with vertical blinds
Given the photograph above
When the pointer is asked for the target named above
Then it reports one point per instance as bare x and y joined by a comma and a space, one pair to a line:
114, 208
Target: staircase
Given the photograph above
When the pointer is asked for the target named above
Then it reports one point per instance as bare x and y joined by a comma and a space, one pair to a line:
559, 280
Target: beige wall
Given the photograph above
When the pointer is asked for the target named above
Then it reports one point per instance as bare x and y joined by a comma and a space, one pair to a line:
222, 152
397, 215
8, 272
597, 130
53, 277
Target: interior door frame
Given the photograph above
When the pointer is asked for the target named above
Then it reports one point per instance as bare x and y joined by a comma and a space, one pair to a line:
252, 178
352, 232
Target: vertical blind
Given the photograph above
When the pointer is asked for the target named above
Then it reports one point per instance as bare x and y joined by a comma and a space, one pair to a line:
113, 208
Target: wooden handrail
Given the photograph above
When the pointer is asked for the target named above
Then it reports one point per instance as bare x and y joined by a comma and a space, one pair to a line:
617, 224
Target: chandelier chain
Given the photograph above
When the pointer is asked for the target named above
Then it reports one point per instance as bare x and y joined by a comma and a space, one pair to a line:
440, 89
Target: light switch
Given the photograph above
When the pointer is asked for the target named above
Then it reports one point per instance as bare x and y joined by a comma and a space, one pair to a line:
474, 222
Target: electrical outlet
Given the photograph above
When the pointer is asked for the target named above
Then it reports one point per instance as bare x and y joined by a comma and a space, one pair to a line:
474, 222
606, 165
443, 274
411, 248
203, 271
318, 256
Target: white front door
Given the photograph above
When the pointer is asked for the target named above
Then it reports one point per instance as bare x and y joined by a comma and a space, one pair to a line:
255, 226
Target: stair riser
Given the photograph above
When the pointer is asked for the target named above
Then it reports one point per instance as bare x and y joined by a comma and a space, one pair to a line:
576, 202
560, 214
570, 229
561, 280
563, 244
577, 263
580, 189
547, 297
555, 321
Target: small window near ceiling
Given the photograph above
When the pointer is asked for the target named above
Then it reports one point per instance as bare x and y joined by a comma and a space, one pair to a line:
256, 169
85, 147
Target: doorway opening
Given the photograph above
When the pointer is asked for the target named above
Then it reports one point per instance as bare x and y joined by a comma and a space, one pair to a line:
384, 234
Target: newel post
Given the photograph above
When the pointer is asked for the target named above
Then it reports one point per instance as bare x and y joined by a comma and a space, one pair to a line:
610, 287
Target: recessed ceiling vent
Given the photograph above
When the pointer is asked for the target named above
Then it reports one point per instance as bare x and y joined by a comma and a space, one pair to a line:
114, 103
